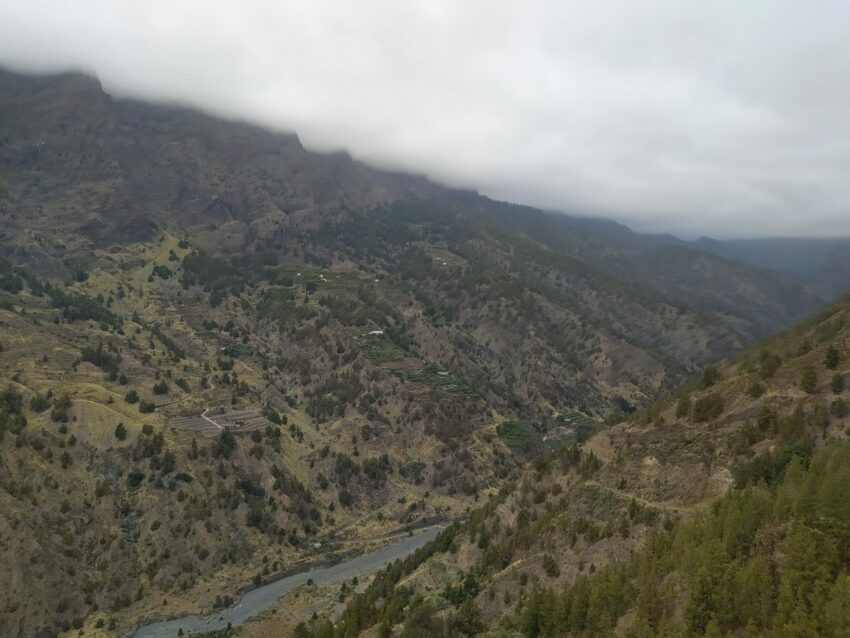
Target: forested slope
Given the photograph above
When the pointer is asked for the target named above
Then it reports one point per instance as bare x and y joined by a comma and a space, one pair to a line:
722, 510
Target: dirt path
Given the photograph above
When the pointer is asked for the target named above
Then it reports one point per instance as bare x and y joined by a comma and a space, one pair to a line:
188, 396
203, 415
670, 507
206, 418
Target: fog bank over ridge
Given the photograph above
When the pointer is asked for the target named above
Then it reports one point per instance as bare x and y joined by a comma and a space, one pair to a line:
717, 119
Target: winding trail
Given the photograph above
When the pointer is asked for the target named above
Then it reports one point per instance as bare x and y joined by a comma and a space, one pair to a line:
628, 496
265, 597
206, 418
207, 409
203, 415
188, 396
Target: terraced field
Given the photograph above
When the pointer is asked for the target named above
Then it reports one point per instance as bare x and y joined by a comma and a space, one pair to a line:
517, 436
211, 425
446, 258
578, 420
324, 279
382, 351
574, 425
435, 377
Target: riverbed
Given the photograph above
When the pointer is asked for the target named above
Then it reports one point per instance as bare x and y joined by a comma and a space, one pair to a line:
266, 596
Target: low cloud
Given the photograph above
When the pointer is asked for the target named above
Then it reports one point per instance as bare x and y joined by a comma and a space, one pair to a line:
721, 118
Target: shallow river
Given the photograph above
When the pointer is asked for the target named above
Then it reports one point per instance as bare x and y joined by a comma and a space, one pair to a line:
265, 597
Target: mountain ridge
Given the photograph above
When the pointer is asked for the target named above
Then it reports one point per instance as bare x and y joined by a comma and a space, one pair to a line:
383, 350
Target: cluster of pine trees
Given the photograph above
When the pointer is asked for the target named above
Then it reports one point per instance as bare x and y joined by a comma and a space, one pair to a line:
768, 559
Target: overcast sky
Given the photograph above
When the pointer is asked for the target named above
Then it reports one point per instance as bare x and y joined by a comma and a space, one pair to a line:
721, 117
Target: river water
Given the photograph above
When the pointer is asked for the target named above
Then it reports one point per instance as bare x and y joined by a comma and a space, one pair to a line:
265, 597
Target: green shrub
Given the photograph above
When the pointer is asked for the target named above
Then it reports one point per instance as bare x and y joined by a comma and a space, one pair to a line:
146, 407
809, 380
134, 479
708, 407
832, 358
710, 376
39, 403
345, 498
756, 390
61, 406
551, 567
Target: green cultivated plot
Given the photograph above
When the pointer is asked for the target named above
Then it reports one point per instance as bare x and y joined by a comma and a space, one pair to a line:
516, 435
379, 349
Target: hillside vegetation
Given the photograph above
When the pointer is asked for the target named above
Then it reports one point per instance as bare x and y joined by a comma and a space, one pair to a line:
722, 510
224, 357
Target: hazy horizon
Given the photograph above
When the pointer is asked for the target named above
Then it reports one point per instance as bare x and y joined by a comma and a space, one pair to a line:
721, 120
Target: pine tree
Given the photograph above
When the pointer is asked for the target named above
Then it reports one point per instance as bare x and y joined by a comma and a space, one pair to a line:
710, 376
832, 358
701, 601
755, 592
578, 609
648, 600
809, 380
820, 418
837, 611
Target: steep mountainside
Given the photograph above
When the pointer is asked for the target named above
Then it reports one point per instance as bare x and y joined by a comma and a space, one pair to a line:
722, 510
81, 172
224, 356
821, 264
